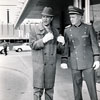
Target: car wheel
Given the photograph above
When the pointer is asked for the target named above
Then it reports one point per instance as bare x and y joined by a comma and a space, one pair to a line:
16, 50
19, 50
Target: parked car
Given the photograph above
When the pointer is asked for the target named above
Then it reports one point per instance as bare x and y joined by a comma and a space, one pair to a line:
23, 47
2, 49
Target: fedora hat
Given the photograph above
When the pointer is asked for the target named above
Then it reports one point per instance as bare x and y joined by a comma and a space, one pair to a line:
75, 10
48, 11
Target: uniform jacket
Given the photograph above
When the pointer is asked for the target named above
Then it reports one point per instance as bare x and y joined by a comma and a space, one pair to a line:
81, 46
43, 57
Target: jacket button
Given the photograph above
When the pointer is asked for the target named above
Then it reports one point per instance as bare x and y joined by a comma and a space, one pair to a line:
77, 58
84, 32
71, 35
52, 54
44, 63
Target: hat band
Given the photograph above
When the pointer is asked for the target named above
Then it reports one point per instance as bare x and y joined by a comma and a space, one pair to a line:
73, 12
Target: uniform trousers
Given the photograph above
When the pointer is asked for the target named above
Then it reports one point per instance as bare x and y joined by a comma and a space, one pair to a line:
38, 92
89, 77
5, 50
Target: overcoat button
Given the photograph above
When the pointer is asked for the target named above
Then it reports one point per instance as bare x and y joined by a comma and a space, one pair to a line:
45, 53
77, 58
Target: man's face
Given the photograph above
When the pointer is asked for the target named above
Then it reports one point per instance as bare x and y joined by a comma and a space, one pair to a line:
75, 19
46, 20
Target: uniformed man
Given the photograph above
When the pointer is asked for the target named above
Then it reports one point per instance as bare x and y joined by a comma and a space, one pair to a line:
81, 49
43, 41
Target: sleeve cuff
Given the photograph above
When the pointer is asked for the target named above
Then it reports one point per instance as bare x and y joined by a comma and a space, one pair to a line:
64, 60
96, 57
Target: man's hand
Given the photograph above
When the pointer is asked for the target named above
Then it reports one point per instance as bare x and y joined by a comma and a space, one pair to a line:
49, 36
96, 65
61, 39
64, 66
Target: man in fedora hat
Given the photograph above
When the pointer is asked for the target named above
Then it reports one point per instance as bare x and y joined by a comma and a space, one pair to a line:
82, 50
43, 41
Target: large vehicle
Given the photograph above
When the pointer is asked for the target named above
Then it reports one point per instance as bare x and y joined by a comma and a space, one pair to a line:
22, 47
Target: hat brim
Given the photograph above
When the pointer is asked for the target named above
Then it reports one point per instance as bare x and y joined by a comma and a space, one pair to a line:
47, 14
77, 13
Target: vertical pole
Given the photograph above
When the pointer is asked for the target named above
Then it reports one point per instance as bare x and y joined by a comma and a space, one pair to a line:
7, 15
80, 4
13, 30
87, 11
7, 21
2, 28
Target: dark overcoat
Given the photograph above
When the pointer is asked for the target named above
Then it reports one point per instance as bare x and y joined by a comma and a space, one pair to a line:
43, 57
81, 46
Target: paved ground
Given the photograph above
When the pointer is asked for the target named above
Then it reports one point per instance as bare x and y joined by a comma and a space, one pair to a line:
16, 79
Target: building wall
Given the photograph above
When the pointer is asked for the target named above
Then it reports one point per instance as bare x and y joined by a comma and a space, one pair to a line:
7, 31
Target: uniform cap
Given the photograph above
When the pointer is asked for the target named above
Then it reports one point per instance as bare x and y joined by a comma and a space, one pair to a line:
75, 10
48, 11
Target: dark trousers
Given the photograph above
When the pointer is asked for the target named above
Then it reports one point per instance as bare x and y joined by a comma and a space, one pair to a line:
38, 92
89, 77
5, 51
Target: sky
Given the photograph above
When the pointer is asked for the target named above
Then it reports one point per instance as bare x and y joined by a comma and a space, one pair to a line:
8, 4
